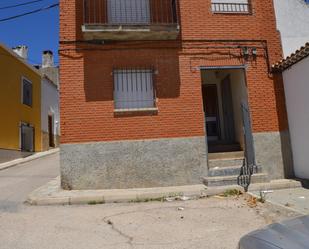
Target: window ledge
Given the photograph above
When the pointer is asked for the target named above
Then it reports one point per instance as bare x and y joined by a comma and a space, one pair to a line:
231, 13
154, 109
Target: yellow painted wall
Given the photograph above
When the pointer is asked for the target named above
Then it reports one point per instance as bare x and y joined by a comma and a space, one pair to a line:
12, 111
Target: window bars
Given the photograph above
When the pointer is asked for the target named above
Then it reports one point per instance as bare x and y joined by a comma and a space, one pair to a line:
232, 6
130, 12
134, 89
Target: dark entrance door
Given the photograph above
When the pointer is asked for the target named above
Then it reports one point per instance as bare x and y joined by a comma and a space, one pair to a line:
50, 131
228, 113
27, 138
211, 110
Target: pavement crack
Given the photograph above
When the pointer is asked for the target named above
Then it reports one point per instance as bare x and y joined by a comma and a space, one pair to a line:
117, 230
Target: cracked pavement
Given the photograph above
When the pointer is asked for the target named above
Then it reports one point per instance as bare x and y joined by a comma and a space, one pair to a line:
215, 223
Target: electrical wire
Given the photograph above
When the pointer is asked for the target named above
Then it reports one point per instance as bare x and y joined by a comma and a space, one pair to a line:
30, 12
21, 4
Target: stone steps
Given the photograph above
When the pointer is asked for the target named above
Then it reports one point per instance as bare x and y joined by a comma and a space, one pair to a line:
232, 170
225, 167
221, 163
226, 155
214, 181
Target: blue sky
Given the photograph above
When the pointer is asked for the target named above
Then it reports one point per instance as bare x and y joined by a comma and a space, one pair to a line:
38, 31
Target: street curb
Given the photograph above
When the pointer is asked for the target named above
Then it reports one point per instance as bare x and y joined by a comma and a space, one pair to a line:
52, 194
19, 161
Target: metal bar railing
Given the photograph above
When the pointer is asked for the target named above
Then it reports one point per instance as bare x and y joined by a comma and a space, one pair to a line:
130, 12
231, 7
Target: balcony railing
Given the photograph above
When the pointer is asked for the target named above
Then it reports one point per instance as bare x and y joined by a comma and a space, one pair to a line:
233, 8
130, 12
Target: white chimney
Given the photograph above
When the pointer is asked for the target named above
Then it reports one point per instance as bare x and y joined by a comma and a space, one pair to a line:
21, 51
47, 59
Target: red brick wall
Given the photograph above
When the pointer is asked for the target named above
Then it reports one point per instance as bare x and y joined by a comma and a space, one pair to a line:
87, 108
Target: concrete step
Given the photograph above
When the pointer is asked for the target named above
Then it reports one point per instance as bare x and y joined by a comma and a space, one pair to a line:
226, 155
221, 163
228, 171
232, 180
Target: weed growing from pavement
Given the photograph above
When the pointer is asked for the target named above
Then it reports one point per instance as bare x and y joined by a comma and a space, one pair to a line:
231, 192
262, 197
95, 202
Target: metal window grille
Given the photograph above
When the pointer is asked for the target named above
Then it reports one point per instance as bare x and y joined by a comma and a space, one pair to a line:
133, 89
130, 12
231, 6
27, 92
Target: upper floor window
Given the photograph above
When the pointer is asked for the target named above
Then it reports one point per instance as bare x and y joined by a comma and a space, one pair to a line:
133, 89
26, 92
231, 6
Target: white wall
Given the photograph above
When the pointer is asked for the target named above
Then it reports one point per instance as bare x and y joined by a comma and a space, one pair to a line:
293, 24
50, 105
296, 84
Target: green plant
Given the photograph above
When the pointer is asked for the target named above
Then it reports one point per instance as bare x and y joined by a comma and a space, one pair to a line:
96, 202
262, 197
231, 192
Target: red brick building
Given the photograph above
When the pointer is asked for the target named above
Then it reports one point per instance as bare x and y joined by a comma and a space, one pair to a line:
153, 91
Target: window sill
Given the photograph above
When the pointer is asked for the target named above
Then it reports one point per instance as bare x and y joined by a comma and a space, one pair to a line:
154, 109
231, 13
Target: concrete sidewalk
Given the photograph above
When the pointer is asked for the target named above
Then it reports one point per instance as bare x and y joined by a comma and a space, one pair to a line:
294, 199
10, 155
52, 194
18, 161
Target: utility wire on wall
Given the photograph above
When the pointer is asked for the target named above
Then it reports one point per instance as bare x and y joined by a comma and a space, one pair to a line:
20, 4
30, 12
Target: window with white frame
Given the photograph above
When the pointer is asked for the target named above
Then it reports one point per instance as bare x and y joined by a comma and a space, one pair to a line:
26, 92
230, 6
133, 89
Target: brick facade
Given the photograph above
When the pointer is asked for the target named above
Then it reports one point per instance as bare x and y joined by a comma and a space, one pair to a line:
207, 39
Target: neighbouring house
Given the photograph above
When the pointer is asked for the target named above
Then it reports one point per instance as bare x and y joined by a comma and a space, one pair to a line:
29, 105
292, 22
50, 101
168, 92
20, 97
295, 70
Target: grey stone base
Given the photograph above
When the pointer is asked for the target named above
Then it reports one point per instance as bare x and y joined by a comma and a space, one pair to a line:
273, 153
133, 164
45, 141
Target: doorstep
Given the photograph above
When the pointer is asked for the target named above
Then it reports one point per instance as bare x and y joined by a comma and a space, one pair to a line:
52, 194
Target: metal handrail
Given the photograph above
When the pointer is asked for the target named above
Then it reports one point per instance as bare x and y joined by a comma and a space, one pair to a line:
130, 12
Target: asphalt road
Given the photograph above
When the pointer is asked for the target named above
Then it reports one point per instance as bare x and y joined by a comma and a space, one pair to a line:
17, 182
211, 223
